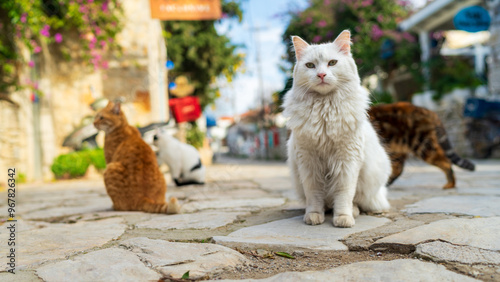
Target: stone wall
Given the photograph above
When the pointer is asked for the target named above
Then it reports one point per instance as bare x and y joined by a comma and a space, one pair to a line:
13, 141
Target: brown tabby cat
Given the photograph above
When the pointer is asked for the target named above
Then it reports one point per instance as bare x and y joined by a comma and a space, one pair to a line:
406, 128
132, 177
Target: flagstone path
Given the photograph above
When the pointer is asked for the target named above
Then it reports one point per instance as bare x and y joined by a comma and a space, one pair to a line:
245, 221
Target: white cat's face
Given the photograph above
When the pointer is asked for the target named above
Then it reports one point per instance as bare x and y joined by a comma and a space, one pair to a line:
326, 67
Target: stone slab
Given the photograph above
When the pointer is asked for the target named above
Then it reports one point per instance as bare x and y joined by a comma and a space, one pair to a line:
475, 232
233, 204
292, 234
444, 252
201, 220
174, 259
56, 241
24, 276
112, 264
494, 191
75, 206
386, 271
228, 194
463, 205
131, 217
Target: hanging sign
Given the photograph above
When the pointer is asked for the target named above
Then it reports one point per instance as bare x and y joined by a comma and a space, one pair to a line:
186, 10
472, 19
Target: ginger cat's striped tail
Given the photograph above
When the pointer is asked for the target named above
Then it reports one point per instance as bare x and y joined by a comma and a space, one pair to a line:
172, 207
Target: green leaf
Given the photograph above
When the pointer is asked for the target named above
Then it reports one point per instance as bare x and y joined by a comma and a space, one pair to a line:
185, 275
285, 255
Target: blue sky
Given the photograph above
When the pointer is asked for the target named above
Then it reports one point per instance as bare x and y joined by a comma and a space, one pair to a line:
244, 93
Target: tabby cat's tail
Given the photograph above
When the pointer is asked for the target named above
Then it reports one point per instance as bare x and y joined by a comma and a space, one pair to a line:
446, 146
172, 207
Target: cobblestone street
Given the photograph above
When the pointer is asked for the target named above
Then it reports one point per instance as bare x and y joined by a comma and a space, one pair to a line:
236, 225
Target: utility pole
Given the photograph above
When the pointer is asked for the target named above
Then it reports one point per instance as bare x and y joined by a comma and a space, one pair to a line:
255, 38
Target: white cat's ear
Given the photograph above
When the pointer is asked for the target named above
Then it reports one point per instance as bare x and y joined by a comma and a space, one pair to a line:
299, 45
343, 41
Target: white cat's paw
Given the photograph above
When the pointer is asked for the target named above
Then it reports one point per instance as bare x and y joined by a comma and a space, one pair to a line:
314, 218
355, 211
343, 221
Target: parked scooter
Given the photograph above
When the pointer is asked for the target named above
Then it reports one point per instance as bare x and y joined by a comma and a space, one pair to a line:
85, 135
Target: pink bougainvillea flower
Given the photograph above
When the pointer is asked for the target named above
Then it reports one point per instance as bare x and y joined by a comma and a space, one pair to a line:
309, 20
322, 23
437, 35
317, 38
408, 37
37, 49
380, 18
376, 32
367, 3
31, 64
23, 17
105, 6
58, 38
326, 2
45, 31
403, 3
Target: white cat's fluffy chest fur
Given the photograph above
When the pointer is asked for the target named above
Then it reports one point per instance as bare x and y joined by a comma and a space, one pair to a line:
335, 156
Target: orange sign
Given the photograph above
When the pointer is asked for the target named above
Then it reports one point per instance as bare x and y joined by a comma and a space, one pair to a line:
187, 10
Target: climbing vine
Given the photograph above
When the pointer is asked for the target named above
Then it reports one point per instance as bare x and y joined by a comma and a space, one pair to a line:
29, 24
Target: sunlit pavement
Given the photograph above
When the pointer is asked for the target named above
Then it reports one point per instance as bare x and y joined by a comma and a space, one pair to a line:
66, 230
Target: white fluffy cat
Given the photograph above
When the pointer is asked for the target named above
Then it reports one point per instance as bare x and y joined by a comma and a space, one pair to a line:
182, 159
335, 156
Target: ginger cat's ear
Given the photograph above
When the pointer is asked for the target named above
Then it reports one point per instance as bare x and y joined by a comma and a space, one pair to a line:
299, 45
343, 41
116, 108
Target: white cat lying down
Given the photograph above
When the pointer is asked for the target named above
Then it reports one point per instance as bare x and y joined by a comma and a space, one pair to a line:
182, 159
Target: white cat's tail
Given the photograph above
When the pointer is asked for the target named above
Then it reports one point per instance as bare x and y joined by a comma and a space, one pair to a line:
377, 203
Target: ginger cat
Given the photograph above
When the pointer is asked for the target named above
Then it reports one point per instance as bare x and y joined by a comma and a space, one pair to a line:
132, 178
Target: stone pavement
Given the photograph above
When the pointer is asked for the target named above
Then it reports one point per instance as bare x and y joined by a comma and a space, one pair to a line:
66, 231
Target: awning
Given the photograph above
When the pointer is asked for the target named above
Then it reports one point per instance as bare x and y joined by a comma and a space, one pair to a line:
438, 15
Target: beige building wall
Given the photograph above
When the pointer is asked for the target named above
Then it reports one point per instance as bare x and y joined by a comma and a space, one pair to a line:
69, 87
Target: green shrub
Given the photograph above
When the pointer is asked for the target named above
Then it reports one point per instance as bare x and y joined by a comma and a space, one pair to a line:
21, 178
75, 164
195, 136
70, 165
381, 97
97, 158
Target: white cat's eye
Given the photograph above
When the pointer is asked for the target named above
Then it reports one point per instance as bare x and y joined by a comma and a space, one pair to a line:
310, 65
332, 63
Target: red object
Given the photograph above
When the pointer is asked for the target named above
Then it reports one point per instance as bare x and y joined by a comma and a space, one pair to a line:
185, 109
276, 137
